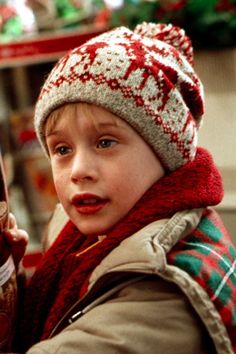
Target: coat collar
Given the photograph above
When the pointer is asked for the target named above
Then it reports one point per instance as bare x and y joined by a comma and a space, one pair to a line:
145, 251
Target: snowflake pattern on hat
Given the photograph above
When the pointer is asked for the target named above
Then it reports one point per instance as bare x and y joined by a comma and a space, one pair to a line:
138, 76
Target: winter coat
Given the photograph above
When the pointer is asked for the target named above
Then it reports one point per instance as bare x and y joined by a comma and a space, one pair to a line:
140, 301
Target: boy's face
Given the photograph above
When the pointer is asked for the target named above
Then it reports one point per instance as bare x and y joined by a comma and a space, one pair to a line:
101, 167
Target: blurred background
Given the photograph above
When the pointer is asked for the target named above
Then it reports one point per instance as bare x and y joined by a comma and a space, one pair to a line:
35, 33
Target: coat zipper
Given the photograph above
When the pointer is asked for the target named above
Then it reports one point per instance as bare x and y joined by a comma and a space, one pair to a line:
73, 314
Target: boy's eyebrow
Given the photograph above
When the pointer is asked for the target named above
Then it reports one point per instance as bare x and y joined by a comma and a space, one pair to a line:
51, 132
107, 124
115, 123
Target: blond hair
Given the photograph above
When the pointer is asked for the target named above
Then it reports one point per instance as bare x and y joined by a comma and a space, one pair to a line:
72, 110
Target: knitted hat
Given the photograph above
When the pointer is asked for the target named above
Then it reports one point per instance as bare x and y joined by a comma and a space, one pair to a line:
145, 77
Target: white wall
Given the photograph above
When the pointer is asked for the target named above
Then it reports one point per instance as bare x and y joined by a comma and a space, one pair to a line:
217, 70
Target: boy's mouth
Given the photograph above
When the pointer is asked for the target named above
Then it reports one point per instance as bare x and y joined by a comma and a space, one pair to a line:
88, 203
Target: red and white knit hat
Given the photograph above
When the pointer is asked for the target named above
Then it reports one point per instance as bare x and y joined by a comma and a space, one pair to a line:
145, 77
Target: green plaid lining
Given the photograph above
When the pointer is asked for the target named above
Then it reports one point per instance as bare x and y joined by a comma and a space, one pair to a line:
210, 258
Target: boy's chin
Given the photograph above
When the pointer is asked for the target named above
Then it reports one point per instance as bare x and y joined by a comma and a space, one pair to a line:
91, 231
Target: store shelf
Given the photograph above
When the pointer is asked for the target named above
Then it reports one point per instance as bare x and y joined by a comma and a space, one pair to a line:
44, 48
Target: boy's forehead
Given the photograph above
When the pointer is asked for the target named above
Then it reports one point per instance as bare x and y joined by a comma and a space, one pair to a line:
96, 116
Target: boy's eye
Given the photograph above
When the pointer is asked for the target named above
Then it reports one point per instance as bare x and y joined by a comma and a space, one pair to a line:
105, 143
62, 150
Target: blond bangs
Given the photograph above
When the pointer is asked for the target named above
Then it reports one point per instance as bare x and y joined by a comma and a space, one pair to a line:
72, 110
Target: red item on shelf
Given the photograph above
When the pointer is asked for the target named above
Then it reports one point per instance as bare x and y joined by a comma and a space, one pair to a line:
45, 47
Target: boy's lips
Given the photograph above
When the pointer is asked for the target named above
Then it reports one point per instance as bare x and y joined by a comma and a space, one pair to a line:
87, 203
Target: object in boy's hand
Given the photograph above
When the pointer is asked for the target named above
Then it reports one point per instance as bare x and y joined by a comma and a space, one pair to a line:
8, 288
3, 214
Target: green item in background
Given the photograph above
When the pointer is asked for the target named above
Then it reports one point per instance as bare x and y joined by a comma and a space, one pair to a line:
73, 12
11, 29
16, 20
210, 23
66, 9
134, 12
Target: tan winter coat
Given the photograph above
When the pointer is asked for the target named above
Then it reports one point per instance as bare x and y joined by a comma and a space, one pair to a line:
139, 304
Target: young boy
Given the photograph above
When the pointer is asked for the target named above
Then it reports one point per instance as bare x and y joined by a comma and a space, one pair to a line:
141, 263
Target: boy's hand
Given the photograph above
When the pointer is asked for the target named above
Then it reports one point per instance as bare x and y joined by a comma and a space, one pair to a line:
17, 239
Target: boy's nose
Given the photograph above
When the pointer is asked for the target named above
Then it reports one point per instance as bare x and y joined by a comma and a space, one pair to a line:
83, 168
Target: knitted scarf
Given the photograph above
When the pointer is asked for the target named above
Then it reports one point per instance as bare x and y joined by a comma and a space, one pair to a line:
62, 276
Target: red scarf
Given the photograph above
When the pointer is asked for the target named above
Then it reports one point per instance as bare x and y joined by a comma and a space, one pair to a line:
62, 277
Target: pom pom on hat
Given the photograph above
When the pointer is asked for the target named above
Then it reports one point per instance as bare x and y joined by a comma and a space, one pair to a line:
169, 34
144, 76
